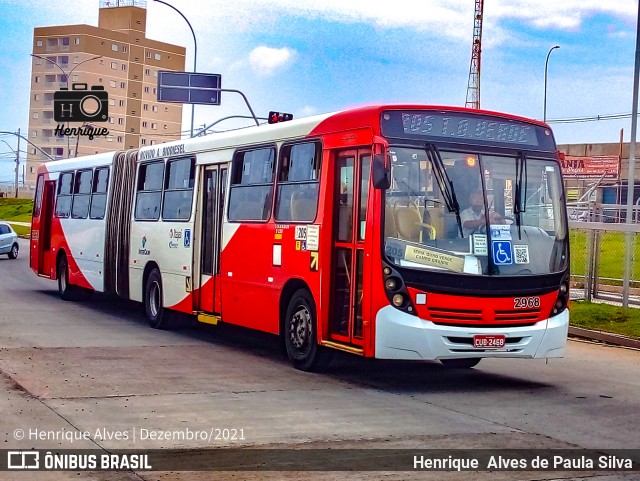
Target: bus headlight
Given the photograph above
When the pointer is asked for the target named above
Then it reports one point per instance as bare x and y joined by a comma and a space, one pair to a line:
563, 298
398, 300
392, 283
396, 290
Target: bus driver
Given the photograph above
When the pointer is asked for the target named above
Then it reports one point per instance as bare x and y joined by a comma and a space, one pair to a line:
472, 218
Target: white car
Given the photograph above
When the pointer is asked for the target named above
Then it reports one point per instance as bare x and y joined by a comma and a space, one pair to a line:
8, 241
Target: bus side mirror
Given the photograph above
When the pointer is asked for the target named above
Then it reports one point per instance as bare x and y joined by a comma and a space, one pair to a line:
381, 172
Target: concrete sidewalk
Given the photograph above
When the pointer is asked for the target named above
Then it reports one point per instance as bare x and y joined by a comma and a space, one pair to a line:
605, 337
23, 224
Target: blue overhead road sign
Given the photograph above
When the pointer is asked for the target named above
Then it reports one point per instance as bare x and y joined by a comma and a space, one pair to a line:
189, 88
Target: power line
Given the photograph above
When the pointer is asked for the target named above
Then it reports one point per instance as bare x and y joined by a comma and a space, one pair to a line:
592, 118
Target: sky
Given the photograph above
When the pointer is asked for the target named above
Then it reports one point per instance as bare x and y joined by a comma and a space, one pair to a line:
314, 56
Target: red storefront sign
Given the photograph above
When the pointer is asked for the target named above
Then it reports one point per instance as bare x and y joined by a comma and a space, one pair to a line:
591, 167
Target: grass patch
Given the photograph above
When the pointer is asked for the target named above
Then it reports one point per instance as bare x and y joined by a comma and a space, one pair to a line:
21, 230
18, 210
605, 317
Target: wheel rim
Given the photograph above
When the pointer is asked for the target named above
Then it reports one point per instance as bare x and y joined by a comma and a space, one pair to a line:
154, 299
63, 277
300, 328
14, 251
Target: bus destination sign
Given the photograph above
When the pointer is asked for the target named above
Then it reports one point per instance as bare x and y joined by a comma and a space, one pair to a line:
463, 127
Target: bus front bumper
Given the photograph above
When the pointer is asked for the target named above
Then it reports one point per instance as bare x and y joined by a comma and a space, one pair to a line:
403, 336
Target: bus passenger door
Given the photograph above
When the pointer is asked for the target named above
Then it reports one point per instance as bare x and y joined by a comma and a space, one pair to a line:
43, 255
350, 264
213, 194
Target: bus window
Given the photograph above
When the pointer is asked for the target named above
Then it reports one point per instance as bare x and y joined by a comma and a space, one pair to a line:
99, 193
63, 202
345, 210
149, 190
81, 194
37, 205
178, 194
252, 185
297, 192
364, 195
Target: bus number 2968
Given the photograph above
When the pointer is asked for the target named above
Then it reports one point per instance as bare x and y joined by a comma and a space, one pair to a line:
526, 302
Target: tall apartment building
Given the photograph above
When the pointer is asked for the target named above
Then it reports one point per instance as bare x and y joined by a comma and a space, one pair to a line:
115, 55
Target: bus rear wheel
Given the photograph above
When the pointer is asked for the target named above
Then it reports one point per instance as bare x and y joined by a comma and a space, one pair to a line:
300, 338
460, 363
153, 304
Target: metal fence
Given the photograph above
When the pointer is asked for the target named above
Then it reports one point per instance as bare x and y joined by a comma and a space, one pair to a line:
610, 213
598, 260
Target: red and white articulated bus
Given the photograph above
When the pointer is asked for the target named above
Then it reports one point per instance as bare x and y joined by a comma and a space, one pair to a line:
395, 232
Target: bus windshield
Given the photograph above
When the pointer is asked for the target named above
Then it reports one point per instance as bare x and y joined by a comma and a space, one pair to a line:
473, 213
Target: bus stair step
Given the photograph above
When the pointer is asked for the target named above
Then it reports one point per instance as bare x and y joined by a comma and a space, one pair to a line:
208, 318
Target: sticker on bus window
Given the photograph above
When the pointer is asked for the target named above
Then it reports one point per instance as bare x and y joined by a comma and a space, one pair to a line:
500, 232
521, 254
480, 245
434, 258
502, 252
301, 232
313, 237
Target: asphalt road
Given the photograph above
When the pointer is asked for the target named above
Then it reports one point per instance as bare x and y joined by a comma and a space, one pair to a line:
98, 367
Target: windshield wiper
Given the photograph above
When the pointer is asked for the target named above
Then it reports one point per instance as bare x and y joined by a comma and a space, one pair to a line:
520, 197
445, 184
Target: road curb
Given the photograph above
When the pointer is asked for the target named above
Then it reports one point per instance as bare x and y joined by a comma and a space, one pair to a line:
615, 339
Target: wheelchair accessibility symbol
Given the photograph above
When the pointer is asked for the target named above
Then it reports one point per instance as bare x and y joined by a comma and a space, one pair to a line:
502, 252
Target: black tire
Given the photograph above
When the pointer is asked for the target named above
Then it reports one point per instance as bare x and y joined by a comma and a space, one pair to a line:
13, 253
300, 338
67, 291
153, 306
460, 363
83, 294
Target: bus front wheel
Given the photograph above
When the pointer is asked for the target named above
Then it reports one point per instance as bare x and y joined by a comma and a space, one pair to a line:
153, 304
300, 336
69, 292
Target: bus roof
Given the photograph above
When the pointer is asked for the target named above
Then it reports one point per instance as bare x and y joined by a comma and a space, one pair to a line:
353, 118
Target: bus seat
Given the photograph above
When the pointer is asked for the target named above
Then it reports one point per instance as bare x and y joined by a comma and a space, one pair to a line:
410, 224
390, 229
435, 216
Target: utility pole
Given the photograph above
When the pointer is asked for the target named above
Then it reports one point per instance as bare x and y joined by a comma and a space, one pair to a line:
473, 86
631, 181
17, 162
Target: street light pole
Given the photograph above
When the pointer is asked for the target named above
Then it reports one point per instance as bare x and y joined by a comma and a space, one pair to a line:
61, 69
195, 53
546, 65
631, 175
6, 132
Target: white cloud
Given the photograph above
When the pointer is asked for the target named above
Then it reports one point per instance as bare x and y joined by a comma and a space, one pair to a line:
266, 60
308, 110
568, 14
451, 18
